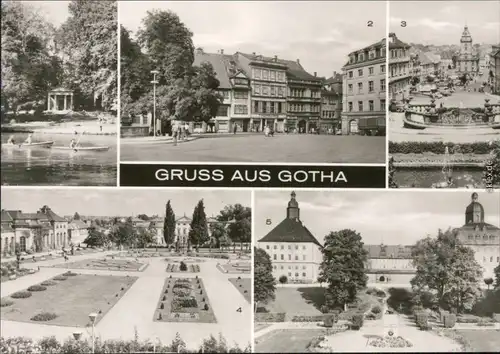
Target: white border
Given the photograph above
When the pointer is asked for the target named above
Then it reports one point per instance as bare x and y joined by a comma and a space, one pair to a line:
387, 88
118, 93
252, 301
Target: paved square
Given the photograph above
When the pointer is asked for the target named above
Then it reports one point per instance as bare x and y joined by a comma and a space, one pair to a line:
72, 300
301, 148
243, 285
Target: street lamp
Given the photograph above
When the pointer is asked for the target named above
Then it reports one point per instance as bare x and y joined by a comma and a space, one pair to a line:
92, 318
154, 82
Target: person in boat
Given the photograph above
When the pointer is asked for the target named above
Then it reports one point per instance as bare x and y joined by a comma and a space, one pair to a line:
11, 140
29, 139
72, 144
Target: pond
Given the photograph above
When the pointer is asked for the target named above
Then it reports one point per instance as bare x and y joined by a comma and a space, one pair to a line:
44, 166
426, 177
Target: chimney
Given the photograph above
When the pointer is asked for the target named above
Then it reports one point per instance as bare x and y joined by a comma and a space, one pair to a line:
222, 51
298, 61
276, 58
315, 74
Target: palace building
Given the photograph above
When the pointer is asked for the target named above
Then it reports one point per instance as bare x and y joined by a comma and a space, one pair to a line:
399, 67
468, 60
294, 251
364, 88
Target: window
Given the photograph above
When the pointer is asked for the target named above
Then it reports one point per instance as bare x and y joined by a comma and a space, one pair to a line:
296, 247
289, 274
273, 90
281, 92
289, 257
265, 90
273, 75
491, 259
265, 74
282, 247
296, 257
303, 267
382, 68
303, 274
225, 94
280, 107
470, 237
360, 106
296, 274
370, 70
275, 247
349, 104
349, 88
304, 257
303, 247
360, 87
267, 247
350, 75
289, 247
282, 257
275, 257
382, 105
257, 89
370, 105
271, 107
256, 73
281, 267
382, 85
240, 109
370, 86
360, 72
263, 107
241, 94
22, 243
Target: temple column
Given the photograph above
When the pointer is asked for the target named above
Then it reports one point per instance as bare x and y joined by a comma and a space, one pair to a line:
65, 101
56, 102
71, 104
48, 102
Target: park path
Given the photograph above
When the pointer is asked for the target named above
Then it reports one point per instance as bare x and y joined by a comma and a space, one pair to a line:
136, 309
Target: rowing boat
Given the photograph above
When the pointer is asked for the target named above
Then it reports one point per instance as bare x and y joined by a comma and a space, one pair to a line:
32, 145
81, 148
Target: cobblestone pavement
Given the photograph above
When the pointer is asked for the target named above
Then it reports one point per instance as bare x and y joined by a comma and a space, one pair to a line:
135, 311
257, 148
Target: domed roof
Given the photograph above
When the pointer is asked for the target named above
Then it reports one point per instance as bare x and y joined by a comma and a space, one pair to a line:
293, 202
474, 213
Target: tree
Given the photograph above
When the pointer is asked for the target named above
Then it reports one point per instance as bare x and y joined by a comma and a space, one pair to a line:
497, 276
145, 237
123, 234
488, 282
169, 224
95, 238
143, 217
218, 233
283, 279
238, 220
198, 233
76, 216
264, 282
447, 267
343, 267
87, 42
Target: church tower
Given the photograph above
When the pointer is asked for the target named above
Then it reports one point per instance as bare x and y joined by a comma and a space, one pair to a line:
293, 210
466, 59
475, 212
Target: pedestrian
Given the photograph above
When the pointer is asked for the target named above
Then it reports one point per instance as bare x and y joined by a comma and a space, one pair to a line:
186, 129
175, 132
235, 127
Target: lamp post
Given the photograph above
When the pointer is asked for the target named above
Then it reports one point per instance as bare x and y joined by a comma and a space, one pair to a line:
77, 335
92, 318
154, 82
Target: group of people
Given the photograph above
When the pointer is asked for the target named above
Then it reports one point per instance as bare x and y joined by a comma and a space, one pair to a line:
180, 131
29, 140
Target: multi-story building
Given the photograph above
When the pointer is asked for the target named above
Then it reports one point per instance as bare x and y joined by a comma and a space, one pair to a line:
78, 231
364, 89
303, 99
34, 231
234, 87
294, 251
331, 104
389, 264
482, 237
8, 235
399, 68
269, 90
494, 69
467, 60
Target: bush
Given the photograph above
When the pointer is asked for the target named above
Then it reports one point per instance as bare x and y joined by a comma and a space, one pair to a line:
438, 147
60, 278
21, 295
48, 283
376, 309
183, 267
329, 320
37, 288
270, 317
357, 321
421, 319
283, 279
69, 274
6, 302
44, 316
205, 307
162, 306
449, 321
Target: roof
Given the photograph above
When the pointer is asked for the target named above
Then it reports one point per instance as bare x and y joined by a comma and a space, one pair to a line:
78, 224
183, 218
5, 216
53, 216
61, 89
396, 43
5, 228
334, 79
388, 251
481, 225
218, 63
19, 215
211, 219
290, 230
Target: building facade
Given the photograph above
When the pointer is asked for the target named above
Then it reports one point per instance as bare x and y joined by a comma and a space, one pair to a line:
467, 60
331, 104
494, 69
389, 264
294, 251
399, 68
482, 237
78, 231
364, 89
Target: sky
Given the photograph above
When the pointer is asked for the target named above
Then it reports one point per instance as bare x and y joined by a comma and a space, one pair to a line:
319, 33
442, 22
389, 217
123, 202
56, 12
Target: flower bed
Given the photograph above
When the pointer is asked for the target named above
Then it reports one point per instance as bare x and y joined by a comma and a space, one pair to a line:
269, 317
37, 288
317, 318
21, 295
390, 342
44, 316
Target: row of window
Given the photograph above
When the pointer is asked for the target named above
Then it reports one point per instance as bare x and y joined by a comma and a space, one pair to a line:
290, 267
266, 74
273, 107
283, 247
398, 53
282, 257
371, 87
327, 114
61, 226
329, 100
485, 237
371, 71
372, 54
305, 93
301, 107
371, 106
266, 90
491, 259
268, 107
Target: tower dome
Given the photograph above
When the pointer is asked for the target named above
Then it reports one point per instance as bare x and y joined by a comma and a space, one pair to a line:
292, 212
466, 37
474, 213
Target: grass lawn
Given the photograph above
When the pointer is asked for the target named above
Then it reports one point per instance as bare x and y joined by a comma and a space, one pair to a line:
235, 268
243, 286
297, 301
71, 300
474, 340
104, 264
195, 290
286, 341
260, 326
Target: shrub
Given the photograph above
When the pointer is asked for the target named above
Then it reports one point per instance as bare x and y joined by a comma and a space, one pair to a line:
329, 320
183, 267
357, 321
449, 320
438, 147
425, 327
60, 277
48, 283
160, 317
376, 309
6, 302
162, 306
270, 317
421, 319
205, 307
164, 298
283, 279
21, 295
44, 316
69, 274
37, 288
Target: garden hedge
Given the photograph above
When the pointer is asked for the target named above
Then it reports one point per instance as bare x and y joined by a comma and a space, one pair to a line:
438, 147
270, 317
